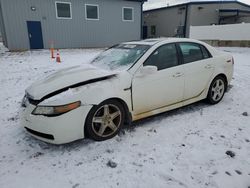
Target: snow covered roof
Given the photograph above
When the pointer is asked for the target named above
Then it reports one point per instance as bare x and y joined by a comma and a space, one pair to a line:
165, 5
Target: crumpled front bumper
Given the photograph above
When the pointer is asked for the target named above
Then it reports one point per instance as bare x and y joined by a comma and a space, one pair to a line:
61, 129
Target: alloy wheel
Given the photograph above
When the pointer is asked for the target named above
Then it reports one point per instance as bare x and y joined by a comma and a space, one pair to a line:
106, 120
218, 89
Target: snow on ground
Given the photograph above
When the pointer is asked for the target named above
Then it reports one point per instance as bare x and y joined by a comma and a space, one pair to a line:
184, 148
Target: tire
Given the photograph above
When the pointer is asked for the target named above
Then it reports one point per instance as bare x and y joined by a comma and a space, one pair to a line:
105, 120
216, 90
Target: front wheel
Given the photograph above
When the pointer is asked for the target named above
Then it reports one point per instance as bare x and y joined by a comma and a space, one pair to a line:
216, 90
105, 120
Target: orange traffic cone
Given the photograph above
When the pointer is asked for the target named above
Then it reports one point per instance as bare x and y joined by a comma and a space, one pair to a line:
58, 59
52, 50
52, 53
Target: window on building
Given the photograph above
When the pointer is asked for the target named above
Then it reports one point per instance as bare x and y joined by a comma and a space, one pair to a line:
92, 12
191, 52
153, 30
164, 57
63, 10
128, 14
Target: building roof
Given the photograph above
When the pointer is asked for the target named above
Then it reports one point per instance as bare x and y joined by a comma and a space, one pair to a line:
198, 3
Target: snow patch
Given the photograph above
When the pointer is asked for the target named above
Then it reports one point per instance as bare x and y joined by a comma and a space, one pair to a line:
181, 148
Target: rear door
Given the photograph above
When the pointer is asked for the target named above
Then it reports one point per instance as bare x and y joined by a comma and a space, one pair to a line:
198, 68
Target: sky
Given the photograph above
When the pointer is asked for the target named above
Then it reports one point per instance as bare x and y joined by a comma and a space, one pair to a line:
159, 3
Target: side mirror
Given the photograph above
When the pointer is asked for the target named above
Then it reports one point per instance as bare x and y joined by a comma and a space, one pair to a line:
147, 70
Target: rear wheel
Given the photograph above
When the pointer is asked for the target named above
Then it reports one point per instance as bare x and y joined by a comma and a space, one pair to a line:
217, 90
105, 120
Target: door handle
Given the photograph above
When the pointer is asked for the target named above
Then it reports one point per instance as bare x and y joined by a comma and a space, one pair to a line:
30, 35
178, 74
208, 66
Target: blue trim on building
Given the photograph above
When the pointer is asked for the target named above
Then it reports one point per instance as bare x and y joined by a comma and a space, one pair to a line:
234, 10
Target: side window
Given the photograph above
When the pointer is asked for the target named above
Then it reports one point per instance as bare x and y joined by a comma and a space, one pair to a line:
205, 52
92, 12
63, 10
127, 14
191, 52
164, 57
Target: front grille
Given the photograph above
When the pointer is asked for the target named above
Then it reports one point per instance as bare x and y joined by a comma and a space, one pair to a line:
43, 135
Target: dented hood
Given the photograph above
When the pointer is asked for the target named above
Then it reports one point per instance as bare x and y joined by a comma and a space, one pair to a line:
66, 78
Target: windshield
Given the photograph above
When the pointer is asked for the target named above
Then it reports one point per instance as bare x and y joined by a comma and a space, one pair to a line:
120, 57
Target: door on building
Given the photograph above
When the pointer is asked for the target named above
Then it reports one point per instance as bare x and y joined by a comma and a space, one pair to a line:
35, 34
145, 32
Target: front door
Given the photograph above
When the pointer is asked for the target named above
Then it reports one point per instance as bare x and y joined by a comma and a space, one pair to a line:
162, 88
35, 34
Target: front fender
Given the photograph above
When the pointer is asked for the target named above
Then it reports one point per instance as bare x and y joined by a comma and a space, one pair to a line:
95, 93
113, 88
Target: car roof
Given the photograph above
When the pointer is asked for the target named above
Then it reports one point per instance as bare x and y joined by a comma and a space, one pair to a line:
154, 41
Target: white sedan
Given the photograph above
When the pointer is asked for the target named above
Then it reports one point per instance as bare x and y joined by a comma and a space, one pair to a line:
127, 82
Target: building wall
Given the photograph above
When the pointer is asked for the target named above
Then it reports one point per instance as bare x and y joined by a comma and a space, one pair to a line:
209, 14
70, 33
167, 20
2, 31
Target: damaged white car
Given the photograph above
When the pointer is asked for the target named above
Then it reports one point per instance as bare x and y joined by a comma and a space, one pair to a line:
127, 82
